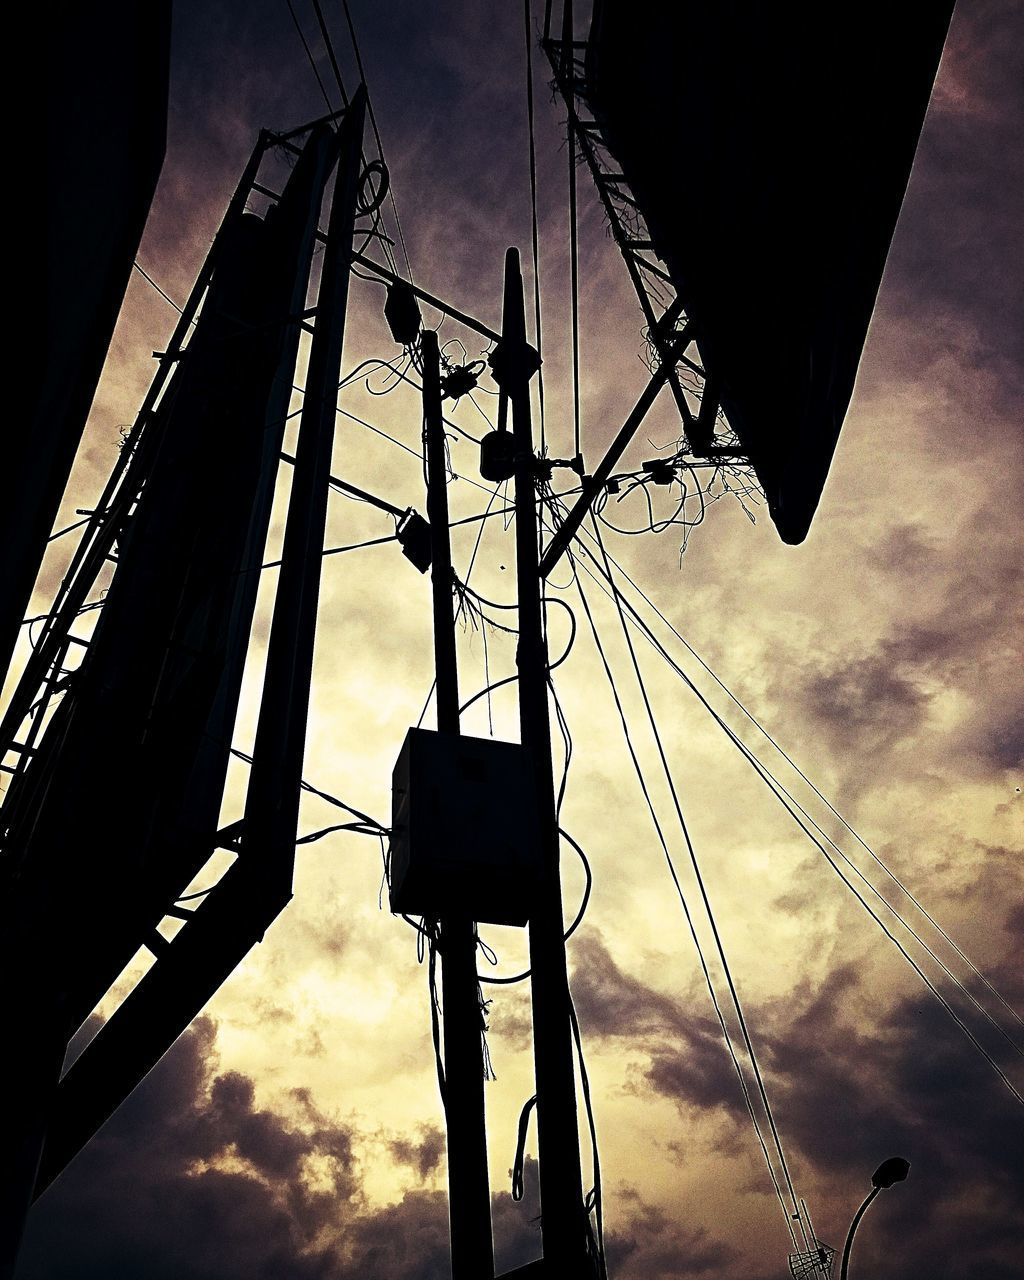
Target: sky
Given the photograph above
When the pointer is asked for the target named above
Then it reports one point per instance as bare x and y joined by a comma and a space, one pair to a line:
295, 1130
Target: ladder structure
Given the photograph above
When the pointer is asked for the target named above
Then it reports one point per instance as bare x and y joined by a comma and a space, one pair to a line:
665, 323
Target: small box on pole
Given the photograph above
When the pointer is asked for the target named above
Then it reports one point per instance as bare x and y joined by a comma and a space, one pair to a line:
465, 836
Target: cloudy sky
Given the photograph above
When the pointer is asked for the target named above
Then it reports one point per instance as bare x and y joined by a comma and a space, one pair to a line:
295, 1129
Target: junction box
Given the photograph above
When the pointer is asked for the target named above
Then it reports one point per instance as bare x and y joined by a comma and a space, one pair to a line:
465, 837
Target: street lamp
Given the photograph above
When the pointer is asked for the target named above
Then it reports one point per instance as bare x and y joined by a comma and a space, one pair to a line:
895, 1169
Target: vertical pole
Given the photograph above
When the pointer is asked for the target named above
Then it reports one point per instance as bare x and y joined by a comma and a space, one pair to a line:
440, 540
468, 1188
563, 1221
272, 800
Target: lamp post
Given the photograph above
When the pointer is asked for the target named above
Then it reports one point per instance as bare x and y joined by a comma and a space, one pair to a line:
895, 1169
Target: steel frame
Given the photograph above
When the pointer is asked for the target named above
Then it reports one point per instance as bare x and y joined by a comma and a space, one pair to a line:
664, 316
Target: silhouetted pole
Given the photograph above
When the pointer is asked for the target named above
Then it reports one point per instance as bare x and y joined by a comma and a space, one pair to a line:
469, 1200
272, 799
564, 1219
895, 1169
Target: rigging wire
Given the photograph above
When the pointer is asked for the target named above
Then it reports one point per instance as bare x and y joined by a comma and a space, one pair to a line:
399, 374
329, 43
698, 874
824, 799
359, 827
779, 793
577, 919
309, 55
376, 134
595, 1200
748, 1102
68, 529
149, 279
333, 551
499, 488
472, 561
408, 449
497, 684
659, 648
336, 69
323, 795
795, 810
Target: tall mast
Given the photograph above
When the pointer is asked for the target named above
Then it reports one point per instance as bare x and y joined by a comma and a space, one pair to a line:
469, 1202
564, 1218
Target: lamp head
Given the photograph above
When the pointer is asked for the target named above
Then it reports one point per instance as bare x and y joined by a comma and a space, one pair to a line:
895, 1169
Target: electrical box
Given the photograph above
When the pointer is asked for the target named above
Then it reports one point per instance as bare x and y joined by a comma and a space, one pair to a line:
414, 538
498, 456
402, 312
465, 838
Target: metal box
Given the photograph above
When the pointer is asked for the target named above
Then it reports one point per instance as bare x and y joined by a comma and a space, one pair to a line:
465, 838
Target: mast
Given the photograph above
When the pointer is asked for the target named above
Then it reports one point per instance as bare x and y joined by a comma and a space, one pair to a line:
564, 1220
469, 1202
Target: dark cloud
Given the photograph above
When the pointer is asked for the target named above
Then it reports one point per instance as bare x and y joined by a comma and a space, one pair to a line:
960, 224
873, 700
903, 549
409, 1238
654, 1246
517, 1223
424, 1156
845, 1097
610, 1002
1014, 923
1003, 742
191, 1179
685, 1057
866, 703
